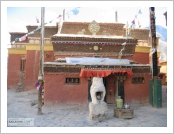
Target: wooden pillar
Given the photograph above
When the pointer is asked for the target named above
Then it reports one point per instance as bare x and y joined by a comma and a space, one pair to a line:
153, 42
41, 71
155, 83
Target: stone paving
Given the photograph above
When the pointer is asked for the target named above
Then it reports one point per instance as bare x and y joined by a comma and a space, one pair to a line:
19, 106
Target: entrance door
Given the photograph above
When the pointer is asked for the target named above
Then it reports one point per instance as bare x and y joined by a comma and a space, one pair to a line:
121, 89
110, 89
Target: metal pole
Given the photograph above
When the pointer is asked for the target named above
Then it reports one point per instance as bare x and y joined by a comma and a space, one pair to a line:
41, 71
116, 17
63, 14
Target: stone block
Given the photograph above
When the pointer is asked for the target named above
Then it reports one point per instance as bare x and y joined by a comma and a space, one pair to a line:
98, 110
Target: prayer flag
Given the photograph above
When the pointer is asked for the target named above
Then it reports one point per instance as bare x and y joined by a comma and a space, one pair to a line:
32, 32
132, 27
38, 28
133, 22
22, 38
37, 19
59, 16
75, 10
53, 19
139, 24
17, 39
139, 12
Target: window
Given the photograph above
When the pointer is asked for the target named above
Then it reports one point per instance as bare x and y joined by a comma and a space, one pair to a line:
138, 80
22, 65
72, 80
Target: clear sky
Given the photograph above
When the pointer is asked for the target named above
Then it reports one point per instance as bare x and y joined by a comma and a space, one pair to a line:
19, 17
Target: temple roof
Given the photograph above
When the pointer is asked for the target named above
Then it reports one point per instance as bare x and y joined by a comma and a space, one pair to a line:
96, 67
91, 61
76, 37
87, 23
90, 36
17, 32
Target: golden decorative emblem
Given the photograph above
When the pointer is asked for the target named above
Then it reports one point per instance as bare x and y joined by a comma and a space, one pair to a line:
81, 32
105, 33
95, 48
93, 27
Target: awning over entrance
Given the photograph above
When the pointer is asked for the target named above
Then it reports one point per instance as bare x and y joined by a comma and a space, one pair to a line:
103, 73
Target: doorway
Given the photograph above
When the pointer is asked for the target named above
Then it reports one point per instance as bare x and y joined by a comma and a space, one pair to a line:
121, 89
110, 85
114, 87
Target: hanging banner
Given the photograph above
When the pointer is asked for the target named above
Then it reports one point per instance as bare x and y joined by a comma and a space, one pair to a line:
103, 73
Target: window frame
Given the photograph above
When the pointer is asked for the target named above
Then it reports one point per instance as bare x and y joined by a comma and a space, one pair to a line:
135, 80
70, 79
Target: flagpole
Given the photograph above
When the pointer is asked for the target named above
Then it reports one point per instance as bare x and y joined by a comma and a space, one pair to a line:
116, 17
41, 71
63, 14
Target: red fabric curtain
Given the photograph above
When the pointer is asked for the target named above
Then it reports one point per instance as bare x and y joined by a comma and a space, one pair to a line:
103, 73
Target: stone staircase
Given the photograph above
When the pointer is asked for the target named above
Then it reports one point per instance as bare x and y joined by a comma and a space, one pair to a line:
20, 85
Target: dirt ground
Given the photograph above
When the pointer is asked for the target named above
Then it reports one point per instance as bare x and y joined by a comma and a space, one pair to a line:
19, 105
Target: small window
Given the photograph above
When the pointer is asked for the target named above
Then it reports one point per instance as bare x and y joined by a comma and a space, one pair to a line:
138, 80
72, 80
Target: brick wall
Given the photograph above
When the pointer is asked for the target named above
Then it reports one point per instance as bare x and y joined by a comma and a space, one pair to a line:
74, 27
137, 92
13, 75
142, 58
49, 56
32, 69
56, 91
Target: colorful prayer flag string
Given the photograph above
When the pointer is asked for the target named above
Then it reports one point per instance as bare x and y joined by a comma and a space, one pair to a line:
32, 32
23, 38
75, 11
133, 25
53, 19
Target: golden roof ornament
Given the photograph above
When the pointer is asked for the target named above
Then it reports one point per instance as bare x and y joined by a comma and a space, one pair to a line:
105, 33
83, 31
93, 27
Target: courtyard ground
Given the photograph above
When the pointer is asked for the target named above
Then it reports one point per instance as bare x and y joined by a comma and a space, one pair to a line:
19, 106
